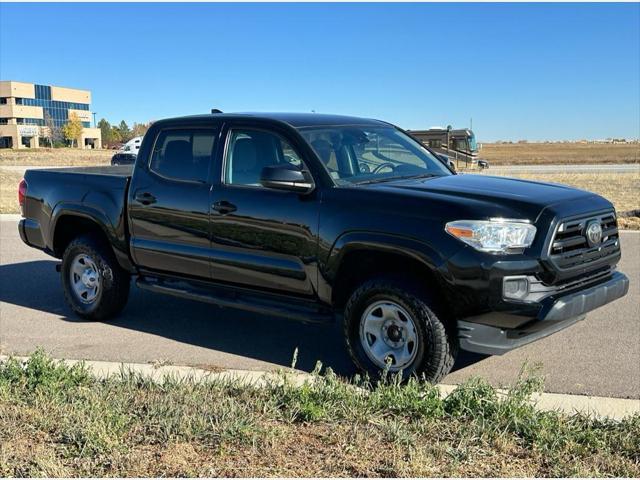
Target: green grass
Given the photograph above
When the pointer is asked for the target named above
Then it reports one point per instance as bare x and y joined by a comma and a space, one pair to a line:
57, 420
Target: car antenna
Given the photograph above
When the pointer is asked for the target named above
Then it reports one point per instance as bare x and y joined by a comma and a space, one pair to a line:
215, 110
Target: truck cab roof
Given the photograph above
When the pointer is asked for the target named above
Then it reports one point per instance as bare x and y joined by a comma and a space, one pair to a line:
296, 120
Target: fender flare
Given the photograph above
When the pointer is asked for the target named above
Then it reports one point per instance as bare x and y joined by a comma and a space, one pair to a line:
100, 219
350, 242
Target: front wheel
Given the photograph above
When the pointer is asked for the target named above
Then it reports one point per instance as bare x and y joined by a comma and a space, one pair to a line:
390, 324
95, 286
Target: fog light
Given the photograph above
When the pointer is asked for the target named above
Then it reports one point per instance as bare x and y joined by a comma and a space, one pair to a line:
515, 288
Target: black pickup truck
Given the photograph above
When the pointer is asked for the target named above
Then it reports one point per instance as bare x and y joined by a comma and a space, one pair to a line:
316, 217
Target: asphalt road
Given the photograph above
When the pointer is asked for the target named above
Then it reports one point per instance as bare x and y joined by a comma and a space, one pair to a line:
599, 356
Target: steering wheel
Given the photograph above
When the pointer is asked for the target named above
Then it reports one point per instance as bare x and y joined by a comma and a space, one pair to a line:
383, 165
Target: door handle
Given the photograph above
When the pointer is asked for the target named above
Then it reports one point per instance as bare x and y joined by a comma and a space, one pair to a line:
223, 207
145, 198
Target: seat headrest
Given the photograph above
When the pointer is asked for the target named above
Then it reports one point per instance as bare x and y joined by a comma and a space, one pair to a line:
178, 152
323, 148
245, 155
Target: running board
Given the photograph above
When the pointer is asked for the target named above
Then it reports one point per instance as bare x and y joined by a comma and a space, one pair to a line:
241, 299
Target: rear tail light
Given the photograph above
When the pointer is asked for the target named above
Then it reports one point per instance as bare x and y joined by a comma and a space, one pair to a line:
22, 193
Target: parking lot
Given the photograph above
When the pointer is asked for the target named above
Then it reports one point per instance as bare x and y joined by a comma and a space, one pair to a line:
599, 356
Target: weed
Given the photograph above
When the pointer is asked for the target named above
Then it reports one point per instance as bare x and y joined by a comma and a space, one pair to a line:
57, 420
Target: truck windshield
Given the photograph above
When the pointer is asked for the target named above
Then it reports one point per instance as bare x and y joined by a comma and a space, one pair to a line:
473, 146
355, 154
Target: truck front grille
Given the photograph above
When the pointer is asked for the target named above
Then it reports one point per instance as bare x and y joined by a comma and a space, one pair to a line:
571, 248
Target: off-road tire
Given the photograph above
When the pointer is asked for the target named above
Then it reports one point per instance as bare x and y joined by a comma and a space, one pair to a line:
437, 346
114, 287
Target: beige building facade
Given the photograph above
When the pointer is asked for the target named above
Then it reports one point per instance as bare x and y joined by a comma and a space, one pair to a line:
28, 113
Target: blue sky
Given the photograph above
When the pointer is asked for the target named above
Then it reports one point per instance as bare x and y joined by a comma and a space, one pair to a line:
534, 71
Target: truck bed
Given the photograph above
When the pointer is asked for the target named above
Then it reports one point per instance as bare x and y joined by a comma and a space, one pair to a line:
98, 193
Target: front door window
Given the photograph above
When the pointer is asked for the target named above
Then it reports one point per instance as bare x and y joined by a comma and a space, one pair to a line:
250, 151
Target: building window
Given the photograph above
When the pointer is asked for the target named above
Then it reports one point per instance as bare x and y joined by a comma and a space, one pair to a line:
30, 121
3, 100
4, 121
43, 92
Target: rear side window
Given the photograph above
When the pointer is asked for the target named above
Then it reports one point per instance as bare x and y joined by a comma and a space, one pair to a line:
184, 154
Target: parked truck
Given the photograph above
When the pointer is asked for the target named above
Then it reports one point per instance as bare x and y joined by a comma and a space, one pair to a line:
320, 217
128, 153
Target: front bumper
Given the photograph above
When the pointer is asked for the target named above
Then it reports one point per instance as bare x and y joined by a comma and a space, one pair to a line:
556, 314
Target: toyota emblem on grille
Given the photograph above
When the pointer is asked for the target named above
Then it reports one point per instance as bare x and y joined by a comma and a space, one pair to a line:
594, 233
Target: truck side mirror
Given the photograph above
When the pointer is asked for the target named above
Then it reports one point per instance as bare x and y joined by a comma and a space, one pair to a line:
446, 160
286, 177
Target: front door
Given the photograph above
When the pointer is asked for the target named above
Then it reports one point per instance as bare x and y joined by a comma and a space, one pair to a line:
262, 238
169, 203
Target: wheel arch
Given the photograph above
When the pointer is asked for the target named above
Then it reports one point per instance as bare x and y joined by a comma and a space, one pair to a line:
68, 221
359, 256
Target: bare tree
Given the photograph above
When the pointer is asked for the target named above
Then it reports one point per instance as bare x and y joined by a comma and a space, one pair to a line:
51, 132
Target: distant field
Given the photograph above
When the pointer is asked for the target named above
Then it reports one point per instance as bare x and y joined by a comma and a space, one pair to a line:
559, 153
55, 156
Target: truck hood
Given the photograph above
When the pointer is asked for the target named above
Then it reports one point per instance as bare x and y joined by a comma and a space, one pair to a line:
497, 195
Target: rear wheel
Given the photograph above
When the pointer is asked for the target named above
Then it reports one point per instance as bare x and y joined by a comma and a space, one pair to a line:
95, 286
390, 324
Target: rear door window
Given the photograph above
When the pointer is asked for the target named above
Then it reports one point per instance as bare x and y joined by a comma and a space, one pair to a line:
184, 154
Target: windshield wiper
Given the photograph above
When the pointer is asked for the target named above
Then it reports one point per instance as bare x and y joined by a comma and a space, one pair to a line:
389, 179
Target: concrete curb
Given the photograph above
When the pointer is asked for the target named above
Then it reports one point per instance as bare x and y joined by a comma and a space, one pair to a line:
601, 407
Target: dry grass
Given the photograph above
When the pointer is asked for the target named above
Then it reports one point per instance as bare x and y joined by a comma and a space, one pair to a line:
559, 153
59, 421
9, 191
55, 157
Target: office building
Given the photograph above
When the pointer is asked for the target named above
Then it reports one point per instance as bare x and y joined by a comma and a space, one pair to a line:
29, 111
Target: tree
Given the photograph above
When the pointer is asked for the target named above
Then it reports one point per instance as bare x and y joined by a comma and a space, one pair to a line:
139, 129
105, 131
114, 135
51, 131
125, 132
73, 129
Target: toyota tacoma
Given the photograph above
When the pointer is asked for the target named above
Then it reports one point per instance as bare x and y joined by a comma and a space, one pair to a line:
320, 217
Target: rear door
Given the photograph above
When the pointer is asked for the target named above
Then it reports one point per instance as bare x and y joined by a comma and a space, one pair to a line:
169, 202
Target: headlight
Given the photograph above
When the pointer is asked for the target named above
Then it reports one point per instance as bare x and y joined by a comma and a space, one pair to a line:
495, 235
